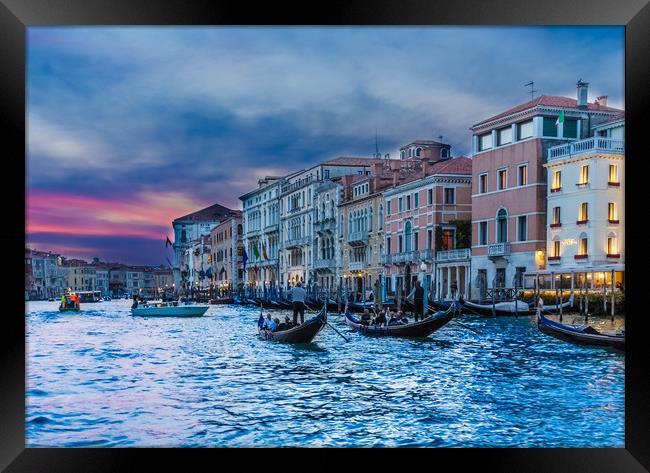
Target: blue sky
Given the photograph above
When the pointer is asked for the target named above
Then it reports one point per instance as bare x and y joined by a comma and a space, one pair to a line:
180, 118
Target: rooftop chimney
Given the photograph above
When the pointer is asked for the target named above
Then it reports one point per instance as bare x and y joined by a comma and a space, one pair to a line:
582, 93
602, 100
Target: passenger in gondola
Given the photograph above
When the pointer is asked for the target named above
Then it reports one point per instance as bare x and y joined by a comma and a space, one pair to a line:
269, 323
287, 322
365, 317
277, 325
396, 318
380, 320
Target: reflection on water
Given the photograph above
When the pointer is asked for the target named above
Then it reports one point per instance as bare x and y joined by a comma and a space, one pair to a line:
103, 378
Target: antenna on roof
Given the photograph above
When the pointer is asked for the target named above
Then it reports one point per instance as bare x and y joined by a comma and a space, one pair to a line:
377, 153
532, 89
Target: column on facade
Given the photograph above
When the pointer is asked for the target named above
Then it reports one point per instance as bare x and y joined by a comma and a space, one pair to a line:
448, 296
458, 286
467, 277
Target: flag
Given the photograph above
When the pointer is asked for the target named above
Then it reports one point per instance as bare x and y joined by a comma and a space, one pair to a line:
256, 251
244, 257
260, 321
266, 257
560, 118
168, 242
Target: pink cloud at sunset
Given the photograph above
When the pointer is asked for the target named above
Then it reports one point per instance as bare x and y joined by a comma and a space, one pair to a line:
144, 214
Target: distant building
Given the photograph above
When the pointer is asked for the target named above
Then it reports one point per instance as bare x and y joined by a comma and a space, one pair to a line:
45, 277
226, 245
82, 276
191, 227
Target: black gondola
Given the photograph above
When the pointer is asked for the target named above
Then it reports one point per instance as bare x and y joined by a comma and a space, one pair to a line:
585, 335
304, 333
419, 329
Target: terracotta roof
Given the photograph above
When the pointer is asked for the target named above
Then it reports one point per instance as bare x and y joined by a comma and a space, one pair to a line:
614, 118
458, 165
214, 212
548, 101
352, 161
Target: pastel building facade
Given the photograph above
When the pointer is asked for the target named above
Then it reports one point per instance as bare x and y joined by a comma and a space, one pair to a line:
327, 259
422, 216
261, 232
585, 244
226, 246
191, 227
509, 184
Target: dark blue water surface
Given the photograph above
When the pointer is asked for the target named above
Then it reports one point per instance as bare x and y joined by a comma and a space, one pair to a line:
103, 378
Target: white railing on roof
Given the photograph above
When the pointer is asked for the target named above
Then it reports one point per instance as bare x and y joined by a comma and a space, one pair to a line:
595, 143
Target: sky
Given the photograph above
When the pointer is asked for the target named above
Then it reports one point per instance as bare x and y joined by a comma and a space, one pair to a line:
131, 127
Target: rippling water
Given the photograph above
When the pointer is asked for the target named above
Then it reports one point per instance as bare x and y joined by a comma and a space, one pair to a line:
104, 378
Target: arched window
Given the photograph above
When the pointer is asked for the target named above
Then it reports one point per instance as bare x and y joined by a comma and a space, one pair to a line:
407, 236
444, 153
370, 220
612, 244
418, 151
381, 217
502, 226
402, 154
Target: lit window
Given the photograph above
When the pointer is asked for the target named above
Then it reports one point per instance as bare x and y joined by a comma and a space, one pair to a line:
556, 248
502, 179
611, 246
613, 174
522, 177
557, 181
584, 175
582, 248
611, 212
556, 216
583, 212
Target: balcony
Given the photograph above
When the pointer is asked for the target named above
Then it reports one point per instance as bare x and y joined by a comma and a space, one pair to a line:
296, 210
407, 257
271, 227
266, 262
296, 185
357, 265
296, 242
327, 263
498, 250
358, 238
453, 255
325, 225
593, 144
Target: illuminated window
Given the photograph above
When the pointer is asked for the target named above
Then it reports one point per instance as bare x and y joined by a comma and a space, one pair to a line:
522, 175
582, 247
482, 183
556, 248
613, 174
611, 211
557, 216
502, 179
557, 180
583, 212
584, 174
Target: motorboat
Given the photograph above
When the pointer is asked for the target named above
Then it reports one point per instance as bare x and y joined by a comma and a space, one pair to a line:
169, 309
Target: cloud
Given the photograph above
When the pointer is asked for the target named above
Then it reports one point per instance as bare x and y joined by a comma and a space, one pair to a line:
197, 115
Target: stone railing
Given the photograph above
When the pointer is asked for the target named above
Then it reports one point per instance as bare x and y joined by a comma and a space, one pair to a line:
360, 237
357, 265
324, 263
296, 242
595, 143
499, 249
407, 257
453, 255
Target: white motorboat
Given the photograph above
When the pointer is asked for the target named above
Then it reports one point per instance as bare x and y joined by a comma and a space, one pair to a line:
169, 309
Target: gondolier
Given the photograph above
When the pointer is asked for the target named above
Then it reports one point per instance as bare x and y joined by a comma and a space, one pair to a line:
298, 295
418, 300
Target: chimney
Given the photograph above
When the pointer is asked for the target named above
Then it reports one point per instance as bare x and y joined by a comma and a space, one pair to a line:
426, 167
602, 100
395, 176
582, 93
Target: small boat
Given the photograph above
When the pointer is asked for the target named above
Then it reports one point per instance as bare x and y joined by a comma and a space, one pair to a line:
419, 329
585, 335
360, 306
304, 333
71, 303
500, 308
69, 309
552, 307
169, 309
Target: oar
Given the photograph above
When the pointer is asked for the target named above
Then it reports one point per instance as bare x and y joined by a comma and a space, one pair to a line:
459, 323
328, 324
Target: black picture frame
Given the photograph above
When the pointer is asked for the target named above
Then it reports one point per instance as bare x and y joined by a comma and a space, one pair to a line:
17, 15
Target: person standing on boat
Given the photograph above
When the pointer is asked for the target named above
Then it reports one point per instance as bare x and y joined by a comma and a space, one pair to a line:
298, 295
418, 300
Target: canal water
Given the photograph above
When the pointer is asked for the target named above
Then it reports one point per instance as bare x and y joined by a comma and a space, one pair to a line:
101, 378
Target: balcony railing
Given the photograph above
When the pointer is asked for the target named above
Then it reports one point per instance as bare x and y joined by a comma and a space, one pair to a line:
271, 227
595, 143
453, 255
360, 238
357, 265
499, 249
324, 225
407, 257
293, 242
324, 263
296, 185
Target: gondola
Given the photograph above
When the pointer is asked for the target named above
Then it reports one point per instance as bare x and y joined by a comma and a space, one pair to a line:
419, 329
500, 308
304, 333
585, 335
553, 308
360, 306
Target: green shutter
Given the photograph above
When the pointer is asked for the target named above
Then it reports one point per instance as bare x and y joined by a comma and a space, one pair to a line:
570, 128
549, 126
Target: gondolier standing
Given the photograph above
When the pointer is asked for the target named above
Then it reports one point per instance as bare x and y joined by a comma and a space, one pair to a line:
298, 302
418, 300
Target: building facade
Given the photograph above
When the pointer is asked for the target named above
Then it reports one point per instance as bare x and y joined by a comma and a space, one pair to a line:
509, 184
45, 277
226, 244
586, 212
327, 260
426, 215
190, 228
